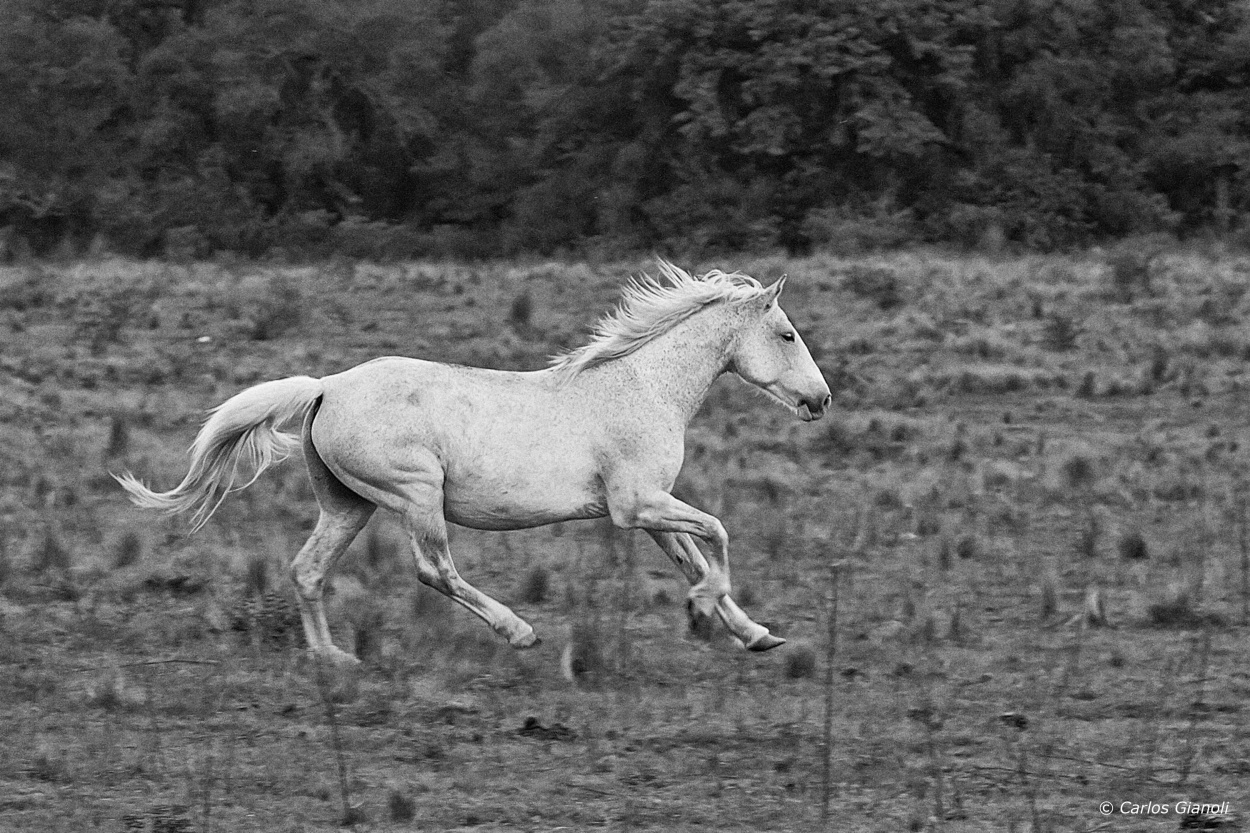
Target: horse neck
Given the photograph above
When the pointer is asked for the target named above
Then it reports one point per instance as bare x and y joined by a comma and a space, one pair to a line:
682, 364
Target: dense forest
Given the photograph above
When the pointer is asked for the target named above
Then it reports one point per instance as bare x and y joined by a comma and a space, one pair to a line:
399, 128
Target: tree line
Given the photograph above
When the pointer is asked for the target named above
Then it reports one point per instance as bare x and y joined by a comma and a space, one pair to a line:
493, 127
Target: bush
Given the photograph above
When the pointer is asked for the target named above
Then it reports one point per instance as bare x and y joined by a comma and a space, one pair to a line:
876, 284
1059, 334
800, 663
256, 576
1174, 609
278, 311
402, 808
1078, 471
381, 555
32, 290
536, 586
1130, 266
969, 226
367, 620
836, 231
521, 313
360, 239
52, 556
968, 548
127, 549
119, 436
1088, 387
583, 660
1132, 547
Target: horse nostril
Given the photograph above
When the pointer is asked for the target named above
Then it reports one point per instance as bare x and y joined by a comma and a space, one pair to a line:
814, 407
827, 401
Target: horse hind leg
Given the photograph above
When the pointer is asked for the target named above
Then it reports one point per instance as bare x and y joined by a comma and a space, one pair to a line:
343, 514
428, 532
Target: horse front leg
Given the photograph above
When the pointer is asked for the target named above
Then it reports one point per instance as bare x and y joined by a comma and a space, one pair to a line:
660, 512
681, 548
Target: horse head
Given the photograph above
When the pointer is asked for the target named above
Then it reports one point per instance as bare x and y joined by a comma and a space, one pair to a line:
770, 354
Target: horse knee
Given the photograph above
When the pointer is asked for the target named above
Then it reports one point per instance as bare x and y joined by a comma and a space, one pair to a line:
429, 575
309, 582
719, 534
626, 517
712, 585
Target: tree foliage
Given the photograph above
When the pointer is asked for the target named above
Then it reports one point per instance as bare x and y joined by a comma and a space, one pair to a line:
408, 127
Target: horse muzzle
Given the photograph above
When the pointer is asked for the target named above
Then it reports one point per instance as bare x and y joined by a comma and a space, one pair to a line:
811, 410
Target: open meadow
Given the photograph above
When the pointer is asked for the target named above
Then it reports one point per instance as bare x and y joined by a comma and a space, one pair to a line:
1027, 510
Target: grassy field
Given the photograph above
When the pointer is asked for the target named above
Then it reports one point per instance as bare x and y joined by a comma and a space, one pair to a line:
1031, 487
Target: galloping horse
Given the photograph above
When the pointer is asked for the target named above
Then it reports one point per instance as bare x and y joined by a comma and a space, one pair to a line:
598, 432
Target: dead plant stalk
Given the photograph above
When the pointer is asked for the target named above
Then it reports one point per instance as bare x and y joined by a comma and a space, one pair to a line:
826, 779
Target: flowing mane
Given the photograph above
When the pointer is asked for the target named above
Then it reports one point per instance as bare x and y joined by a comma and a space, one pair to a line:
651, 307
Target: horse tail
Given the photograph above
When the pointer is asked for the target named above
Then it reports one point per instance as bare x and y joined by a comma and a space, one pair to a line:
244, 427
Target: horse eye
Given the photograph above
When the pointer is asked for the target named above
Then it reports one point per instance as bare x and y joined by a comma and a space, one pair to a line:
787, 336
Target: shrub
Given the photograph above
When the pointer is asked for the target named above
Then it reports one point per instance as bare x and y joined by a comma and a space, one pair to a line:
1087, 541
256, 575
1130, 271
835, 440
402, 808
278, 311
745, 595
52, 555
99, 320
367, 619
32, 290
381, 554
45, 767
1175, 609
1059, 333
1132, 546
119, 437
111, 693
837, 231
800, 663
1078, 471
969, 226
928, 523
583, 659
360, 239
1088, 386
876, 284
1049, 603
536, 586
521, 313
127, 549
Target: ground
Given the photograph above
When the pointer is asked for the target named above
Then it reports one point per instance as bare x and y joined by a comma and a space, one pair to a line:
1011, 564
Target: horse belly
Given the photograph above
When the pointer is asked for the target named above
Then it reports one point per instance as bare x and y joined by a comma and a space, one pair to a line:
525, 499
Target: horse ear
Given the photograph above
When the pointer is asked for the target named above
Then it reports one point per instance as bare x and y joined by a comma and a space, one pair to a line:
775, 290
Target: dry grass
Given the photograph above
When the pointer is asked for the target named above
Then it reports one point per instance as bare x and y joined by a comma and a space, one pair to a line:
1005, 508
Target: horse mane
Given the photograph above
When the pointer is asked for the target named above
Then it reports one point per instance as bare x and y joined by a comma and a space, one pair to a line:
649, 308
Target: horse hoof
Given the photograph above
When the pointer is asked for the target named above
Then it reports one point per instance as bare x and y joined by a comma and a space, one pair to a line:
529, 640
336, 657
765, 642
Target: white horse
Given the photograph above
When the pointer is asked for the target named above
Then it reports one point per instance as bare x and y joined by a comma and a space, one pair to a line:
599, 432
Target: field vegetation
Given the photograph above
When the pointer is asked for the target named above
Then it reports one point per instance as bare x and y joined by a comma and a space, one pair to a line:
1027, 509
